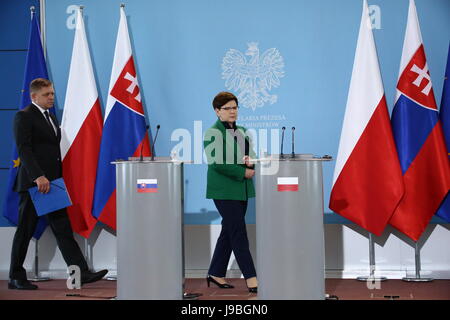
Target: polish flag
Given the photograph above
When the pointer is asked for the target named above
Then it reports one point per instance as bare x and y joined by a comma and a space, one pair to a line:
419, 137
367, 182
287, 184
81, 130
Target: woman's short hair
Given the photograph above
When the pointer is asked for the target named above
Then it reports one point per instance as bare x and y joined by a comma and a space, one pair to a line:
39, 83
223, 98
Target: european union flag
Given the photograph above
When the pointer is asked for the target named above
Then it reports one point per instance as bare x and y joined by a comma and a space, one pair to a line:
444, 114
35, 68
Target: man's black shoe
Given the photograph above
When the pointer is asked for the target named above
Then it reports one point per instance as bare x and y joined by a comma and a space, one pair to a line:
191, 296
88, 276
21, 285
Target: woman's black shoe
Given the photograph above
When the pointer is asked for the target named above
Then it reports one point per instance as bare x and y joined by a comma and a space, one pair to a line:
253, 290
220, 285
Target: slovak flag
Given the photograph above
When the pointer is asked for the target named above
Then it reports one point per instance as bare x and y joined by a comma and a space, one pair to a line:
147, 185
124, 129
419, 137
367, 183
81, 130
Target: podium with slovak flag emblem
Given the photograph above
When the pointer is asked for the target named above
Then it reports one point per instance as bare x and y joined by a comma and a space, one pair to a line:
150, 229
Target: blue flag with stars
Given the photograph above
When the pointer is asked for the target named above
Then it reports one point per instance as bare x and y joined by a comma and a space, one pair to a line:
35, 68
444, 114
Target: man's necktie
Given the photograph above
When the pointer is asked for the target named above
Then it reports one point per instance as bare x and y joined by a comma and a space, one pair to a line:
47, 116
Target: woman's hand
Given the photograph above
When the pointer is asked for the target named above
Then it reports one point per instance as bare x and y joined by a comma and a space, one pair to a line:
249, 173
247, 162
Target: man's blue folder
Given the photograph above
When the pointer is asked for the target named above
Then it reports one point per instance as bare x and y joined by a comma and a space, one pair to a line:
57, 198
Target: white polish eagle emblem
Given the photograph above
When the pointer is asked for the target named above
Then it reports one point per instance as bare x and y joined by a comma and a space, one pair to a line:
252, 79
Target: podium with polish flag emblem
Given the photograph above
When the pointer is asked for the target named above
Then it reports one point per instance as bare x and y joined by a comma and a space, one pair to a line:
149, 229
289, 227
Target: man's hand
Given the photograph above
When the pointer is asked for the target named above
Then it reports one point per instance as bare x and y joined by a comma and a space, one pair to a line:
249, 173
43, 184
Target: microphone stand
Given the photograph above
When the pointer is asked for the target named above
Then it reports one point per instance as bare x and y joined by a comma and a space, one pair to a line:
282, 142
293, 153
154, 141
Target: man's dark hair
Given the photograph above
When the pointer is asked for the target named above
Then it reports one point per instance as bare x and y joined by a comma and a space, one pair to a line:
39, 83
223, 98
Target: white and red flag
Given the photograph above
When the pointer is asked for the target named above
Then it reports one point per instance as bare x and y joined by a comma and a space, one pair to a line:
81, 130
287, 184
367, 182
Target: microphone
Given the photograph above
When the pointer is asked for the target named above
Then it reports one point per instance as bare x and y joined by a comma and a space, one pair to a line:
282, 141
293, 154
141, 158
154, 141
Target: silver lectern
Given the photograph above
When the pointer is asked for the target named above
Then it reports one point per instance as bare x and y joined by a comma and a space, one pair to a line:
149, 229
289, 227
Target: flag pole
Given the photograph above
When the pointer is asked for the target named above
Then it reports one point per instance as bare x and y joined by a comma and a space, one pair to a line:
36, 278
114, 278
371, 276
87, 253
417, 278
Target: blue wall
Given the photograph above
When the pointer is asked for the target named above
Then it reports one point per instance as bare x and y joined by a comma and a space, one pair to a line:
14, 26
179, 46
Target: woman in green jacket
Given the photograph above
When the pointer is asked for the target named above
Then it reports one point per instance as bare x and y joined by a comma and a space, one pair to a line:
230, 185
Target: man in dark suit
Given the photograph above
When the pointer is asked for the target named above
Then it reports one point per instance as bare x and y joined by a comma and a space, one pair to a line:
37, 136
